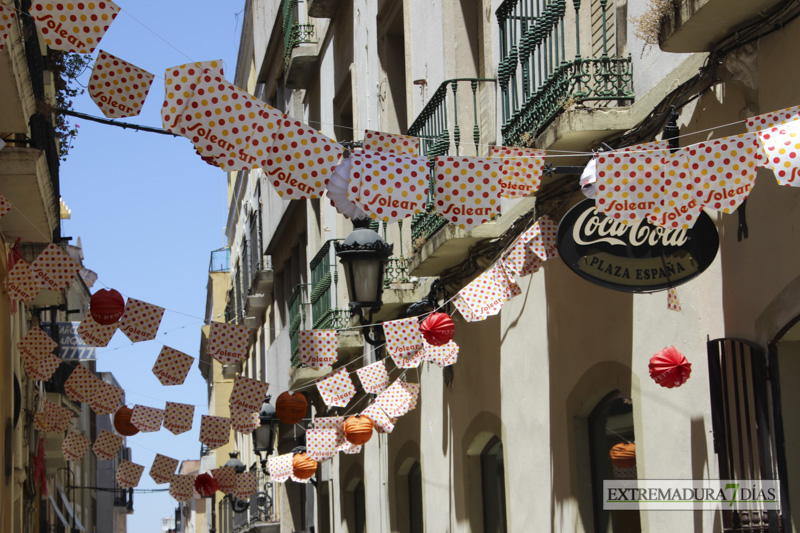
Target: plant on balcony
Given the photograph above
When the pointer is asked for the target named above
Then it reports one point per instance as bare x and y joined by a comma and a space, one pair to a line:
66, 68
646, 27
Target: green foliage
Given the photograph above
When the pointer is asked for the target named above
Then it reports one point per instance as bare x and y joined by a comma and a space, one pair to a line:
66, 68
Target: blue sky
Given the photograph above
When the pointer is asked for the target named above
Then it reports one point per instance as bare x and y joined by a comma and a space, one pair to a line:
149, 211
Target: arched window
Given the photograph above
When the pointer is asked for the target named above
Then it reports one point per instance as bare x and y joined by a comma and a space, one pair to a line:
611, 424
493, 485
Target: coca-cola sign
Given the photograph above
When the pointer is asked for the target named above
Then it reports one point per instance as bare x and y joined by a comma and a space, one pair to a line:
634, 257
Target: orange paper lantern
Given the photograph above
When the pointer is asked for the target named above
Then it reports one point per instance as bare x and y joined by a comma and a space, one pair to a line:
291, 407
358, 429
437, 328
623, 455
122, 422
303, 466
106, 306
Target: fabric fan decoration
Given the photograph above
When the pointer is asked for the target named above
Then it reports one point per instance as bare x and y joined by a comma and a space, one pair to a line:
337, 389
178, 417
129, 474
669, 368
468, 189
317, 347
7, 16
66, 29
521, 170
228, 343
180, 83
118, 87
140, 320
106, 306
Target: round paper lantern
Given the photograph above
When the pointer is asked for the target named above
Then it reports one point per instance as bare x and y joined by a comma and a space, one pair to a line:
358, 429
338, 184
291, 407
206, 485
106, 306
623, 455
303, 466
122, 422
669, 368
437, 328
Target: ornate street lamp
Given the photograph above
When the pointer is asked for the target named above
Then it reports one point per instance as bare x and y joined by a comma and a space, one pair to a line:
264, 435
364, 255
238, 506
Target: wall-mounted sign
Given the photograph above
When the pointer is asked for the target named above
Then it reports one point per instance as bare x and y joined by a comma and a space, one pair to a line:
71, 345
637, 257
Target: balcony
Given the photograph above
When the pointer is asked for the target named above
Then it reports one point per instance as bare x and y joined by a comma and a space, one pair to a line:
25, 180
698, 25
323, 8
541, 75
300, 46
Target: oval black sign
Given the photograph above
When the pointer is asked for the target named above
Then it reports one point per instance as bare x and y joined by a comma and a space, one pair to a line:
637, 257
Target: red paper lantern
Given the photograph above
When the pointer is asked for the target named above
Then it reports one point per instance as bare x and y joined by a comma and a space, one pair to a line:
291, 407
106, 306
437, 328
669, 368
358, 429
206, 485
623, 455
122, 422
303, 466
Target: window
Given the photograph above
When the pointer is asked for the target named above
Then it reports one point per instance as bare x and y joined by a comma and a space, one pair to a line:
611, 423
415, 507
493, 485
392, 53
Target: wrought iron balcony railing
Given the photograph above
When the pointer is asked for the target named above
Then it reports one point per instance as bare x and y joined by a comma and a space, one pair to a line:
537, 81
297, 317
325, 290
294, 33
438, 137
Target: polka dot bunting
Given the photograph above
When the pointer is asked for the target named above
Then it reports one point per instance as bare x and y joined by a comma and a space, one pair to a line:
147, 419
317, 348
75, 446
227, 125
228, 343
225, 477
382, 422
321, 444
395, 400
781, 146
673, 302
467, 189
773, 119
413, 389
248, 394
163, 469
181, 487
404, 341
7, 16
80, 384
335, 423
56, 418
5, 204
629, 183
215, 431
178, 417
336, 389
543, 238
45, 366
280, 467
244, 420
391, 142
105, 398
374, 378
246, 485
21, 282
485, 295
106, 445
94, 334
442, 356
532, 247
521, 170
129, 474
350, 449
73, 30
391, 187
179, 85
140, 320
118, 87
36, 343
301, 161
54, 269
172, 366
